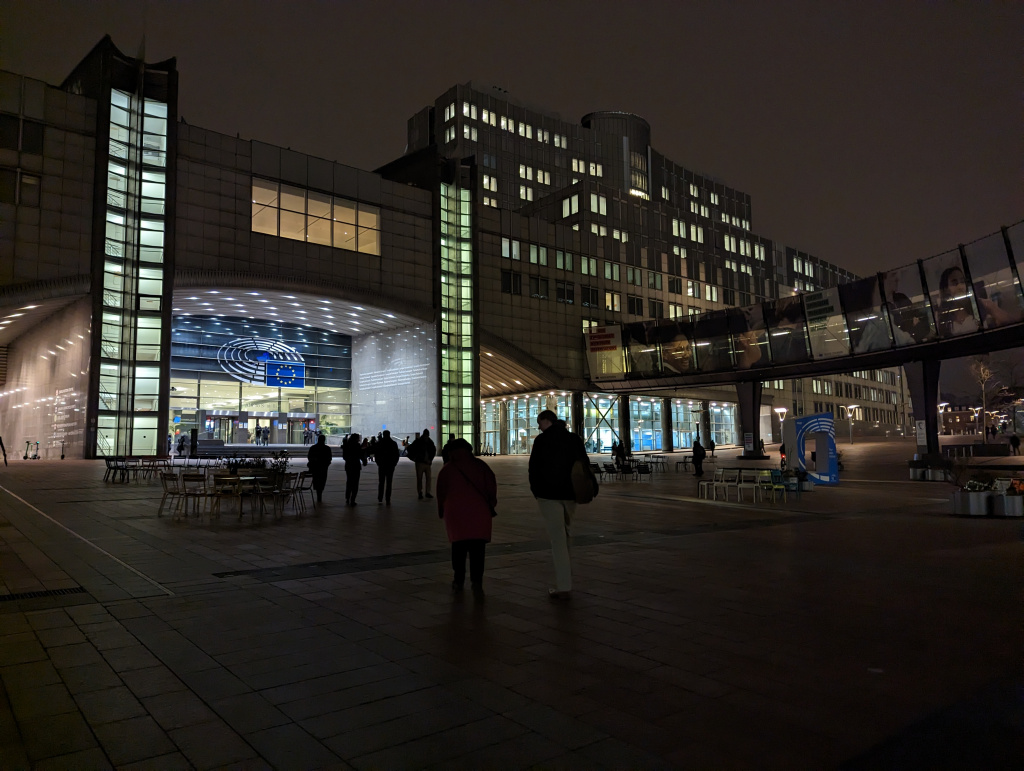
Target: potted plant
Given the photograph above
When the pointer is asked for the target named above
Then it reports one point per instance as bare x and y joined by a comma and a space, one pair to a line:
974, 499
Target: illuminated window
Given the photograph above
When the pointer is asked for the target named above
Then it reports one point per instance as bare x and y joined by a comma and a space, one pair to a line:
612, 301
570, 205
611, 271
598, 204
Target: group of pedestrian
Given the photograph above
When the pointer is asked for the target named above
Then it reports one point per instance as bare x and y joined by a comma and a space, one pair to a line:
309, 436
261, 436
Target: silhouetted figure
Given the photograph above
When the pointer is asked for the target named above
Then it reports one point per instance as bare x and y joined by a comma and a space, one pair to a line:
422, 452
699, 454
386, 458
467, 493
1014, 444
3, 450
555, 452
620, 454
319, 457
355, 459
711, 445
447, 447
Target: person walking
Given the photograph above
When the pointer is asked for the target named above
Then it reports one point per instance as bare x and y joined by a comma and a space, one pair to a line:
620, 456
422, 452
711, 445
319, 457
386, 457
355, 459
467, 493
699, 454
181, 445
1014, 444
554, 453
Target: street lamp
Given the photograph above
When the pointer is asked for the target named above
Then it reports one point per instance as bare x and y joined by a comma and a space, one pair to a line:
849, 416
976, 411
781, 412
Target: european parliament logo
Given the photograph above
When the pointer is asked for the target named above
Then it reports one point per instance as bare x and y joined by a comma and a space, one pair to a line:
286, 374
261, 361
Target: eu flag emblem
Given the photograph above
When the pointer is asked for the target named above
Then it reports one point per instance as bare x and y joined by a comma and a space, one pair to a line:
286, 374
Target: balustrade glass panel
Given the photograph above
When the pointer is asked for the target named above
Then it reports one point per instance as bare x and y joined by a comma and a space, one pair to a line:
749, 337
826, 326
639, 341
997, 292
676, 343
951, 295
787, 330
866, 315
714, 346
909, 308
1016, 236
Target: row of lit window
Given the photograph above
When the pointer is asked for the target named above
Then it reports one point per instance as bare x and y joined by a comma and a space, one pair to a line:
491, 118
305, 215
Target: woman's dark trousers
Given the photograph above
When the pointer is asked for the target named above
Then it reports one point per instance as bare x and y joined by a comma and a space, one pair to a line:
474, 547
351, 483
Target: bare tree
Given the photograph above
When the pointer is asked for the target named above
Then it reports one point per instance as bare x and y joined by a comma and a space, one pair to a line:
982, 374
1008, 366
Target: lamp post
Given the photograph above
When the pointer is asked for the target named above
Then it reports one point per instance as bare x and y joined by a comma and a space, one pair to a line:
976, 411
849, 416
942, 420
781, 412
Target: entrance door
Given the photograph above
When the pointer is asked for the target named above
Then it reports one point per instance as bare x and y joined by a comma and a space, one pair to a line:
296, 428
224, 430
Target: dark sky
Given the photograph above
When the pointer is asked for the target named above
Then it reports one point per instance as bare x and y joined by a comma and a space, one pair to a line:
868, 133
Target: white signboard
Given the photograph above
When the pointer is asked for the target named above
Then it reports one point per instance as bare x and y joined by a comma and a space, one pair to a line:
604, 353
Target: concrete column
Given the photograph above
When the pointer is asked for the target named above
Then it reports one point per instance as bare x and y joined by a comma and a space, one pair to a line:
923, 384
576, 401
705, 422
666, 425
503, 428
748, 399
625, 434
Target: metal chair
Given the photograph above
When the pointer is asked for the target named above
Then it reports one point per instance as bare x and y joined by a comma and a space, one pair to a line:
641, 470
193, 488
172, 490
302, 485
224, 485
707, 486
778, 484
748, 481
729, 480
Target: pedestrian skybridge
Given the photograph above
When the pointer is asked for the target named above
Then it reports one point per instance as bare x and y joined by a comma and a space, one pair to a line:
965, 301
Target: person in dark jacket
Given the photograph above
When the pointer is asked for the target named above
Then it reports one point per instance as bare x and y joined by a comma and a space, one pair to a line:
555, 451
467, 493
422, 452
355, 459
699, 453
386, 457
447, 448
319, 457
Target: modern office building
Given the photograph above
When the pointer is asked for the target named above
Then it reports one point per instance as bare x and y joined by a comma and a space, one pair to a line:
158, 278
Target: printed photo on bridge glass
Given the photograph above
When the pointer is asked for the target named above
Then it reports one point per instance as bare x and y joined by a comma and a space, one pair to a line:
787, 330
826, 325
951, 295
714, 345
909, 308
642, 355
676, 343
996, 291
749, 337
866, 315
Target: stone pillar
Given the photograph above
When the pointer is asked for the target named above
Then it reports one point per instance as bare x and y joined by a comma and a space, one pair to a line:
666, 425
705, 422
625, 434
748, 401
923, 384
503, 428
576, 402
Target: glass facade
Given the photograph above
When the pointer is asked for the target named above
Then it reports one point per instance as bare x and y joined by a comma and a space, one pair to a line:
459, 381
645, 423
133, 277
685, 423
724, 429
230, 376
522, 418
600, 421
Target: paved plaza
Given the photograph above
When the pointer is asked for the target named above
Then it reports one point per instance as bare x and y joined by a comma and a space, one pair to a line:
856, 627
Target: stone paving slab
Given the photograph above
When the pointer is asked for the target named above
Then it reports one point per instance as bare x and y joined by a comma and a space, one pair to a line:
848, 628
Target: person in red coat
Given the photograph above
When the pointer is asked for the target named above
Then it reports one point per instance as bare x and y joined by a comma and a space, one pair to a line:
467, 493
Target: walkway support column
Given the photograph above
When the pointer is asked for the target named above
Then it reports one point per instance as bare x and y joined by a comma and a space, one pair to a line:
625, 434
748, 398
705, 422
503, 447
666, 425
576, 403
923, 384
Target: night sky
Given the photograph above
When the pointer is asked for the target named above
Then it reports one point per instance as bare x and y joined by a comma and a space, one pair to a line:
869, 134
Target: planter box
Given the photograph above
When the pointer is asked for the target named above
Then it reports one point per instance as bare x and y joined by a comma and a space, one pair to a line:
918, 474
973, 504
1008, 505
936, 475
